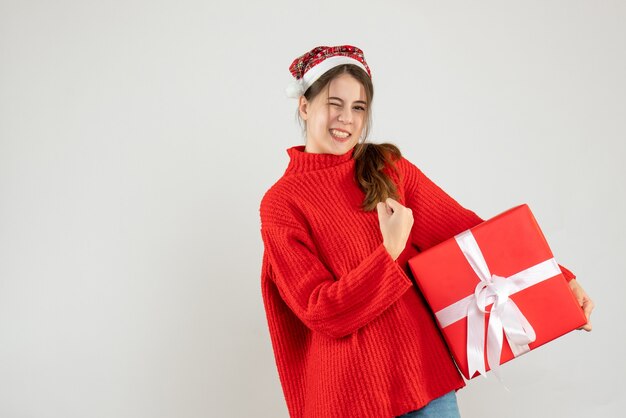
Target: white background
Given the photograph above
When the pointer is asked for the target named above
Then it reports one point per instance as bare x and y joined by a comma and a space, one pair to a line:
138, 137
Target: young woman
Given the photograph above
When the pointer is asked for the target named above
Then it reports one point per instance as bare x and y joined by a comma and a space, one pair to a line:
352, 335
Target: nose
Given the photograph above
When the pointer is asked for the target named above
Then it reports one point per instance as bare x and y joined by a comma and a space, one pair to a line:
346, 115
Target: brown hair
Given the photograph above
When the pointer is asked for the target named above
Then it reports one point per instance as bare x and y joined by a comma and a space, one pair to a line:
370, 159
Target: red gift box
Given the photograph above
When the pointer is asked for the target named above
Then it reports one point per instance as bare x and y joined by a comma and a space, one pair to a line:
496, 291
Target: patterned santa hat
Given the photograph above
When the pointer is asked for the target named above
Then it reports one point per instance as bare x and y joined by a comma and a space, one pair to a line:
310, 66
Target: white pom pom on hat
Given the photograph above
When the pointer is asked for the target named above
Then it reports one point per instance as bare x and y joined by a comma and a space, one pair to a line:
295, 89
307, 68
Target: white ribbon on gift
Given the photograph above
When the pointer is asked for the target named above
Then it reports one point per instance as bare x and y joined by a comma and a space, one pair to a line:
504, 316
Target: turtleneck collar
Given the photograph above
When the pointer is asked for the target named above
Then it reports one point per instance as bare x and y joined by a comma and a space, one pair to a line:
301, 161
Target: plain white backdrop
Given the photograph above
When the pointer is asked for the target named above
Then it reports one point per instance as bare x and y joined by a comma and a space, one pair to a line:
138, 137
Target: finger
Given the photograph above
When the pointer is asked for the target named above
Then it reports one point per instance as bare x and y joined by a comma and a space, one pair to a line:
587, 327
580, 299
393, 204
588, 307
382, 211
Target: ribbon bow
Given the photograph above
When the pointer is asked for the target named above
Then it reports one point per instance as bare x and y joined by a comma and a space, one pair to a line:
505, 317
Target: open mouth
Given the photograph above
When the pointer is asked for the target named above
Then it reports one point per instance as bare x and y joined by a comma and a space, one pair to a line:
339, 135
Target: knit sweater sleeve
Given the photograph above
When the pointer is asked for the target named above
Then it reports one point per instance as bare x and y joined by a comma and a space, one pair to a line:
437, 216
334, 306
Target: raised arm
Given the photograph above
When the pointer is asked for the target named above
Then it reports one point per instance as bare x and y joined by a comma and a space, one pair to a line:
335, 306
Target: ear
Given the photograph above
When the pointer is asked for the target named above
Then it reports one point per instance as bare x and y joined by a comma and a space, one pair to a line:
303, 107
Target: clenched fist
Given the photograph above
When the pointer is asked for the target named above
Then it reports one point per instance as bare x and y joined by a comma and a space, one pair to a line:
395, 222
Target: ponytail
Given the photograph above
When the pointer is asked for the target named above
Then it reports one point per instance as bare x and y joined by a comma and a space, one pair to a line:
370, 162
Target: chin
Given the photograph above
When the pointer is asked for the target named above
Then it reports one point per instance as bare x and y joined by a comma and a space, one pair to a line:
331, 146
340, 148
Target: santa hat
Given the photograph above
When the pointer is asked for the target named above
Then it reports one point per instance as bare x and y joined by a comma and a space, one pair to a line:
310, 66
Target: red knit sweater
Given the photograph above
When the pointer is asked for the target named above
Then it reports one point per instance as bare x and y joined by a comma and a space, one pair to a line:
351, 333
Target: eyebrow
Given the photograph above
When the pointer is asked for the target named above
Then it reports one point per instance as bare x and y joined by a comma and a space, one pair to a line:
341, 100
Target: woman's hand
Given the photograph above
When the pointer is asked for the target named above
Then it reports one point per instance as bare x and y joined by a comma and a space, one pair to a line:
395, 222
584, 300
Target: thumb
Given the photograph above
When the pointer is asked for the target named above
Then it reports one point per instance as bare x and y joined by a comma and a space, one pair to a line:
381, 207
393, 204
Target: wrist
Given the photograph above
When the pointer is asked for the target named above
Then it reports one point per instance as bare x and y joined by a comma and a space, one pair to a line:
394, 254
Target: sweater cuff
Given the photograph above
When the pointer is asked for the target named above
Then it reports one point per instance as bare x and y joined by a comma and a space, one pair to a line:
567, 273
383, 284
400, 276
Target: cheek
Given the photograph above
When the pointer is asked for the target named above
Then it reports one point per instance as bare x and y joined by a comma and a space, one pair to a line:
359, 120
320, 123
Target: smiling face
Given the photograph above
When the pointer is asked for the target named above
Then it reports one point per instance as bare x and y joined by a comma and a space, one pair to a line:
334, 123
